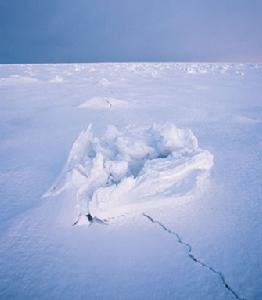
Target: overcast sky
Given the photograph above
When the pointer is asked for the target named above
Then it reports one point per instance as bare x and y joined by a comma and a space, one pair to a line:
42, 31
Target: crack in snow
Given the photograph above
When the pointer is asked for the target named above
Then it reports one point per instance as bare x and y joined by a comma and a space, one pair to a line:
194, 258
108, 102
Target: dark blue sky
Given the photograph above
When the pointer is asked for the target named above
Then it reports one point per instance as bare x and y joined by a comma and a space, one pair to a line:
42, 31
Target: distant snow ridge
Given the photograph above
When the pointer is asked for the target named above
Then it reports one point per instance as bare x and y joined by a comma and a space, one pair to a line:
129, 170
17, 79
104, 103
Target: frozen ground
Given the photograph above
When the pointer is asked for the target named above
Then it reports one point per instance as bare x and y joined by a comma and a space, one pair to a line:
172, 162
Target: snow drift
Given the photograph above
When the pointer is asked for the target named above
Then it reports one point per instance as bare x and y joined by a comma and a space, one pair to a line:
133, 169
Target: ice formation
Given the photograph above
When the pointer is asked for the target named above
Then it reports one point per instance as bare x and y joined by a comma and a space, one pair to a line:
104, 103
133, 169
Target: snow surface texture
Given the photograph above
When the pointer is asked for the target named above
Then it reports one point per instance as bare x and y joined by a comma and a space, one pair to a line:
199, 238
133, 170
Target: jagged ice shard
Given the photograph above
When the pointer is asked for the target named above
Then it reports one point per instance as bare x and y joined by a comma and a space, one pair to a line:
133, 169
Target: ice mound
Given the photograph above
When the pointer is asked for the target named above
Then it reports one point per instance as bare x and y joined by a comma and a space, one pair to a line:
56, 79
104, 82
103, 103
132, 169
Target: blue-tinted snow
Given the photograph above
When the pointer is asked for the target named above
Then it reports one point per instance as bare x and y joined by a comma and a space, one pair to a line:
41, 115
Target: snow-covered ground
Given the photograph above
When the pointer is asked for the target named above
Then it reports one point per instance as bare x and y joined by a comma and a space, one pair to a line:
166, 157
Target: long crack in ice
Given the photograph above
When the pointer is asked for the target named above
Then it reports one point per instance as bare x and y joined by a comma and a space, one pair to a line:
193, 257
